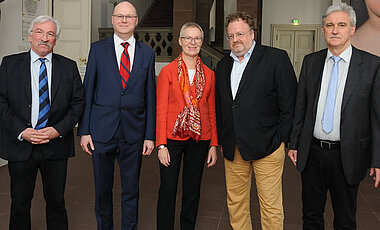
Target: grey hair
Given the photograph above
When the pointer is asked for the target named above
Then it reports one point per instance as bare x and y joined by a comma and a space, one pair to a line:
190, 25
45, 18
341, 7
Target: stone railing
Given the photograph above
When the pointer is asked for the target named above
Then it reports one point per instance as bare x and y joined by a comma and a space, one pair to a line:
159, 39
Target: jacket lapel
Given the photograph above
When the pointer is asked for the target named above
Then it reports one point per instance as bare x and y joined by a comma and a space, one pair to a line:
317, 73
137, 61
110, 57
26, 75
56, 76
250, 68
227, 74
353, 76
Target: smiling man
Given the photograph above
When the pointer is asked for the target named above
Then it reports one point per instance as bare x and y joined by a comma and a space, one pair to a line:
119, 117
336, 130
41, 100
255, 97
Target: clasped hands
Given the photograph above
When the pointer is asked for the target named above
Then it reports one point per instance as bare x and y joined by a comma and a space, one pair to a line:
42, 136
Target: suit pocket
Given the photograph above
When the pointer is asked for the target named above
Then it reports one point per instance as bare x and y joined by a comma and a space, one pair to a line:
365, 143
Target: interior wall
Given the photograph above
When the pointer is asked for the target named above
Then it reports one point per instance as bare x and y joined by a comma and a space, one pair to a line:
282, 12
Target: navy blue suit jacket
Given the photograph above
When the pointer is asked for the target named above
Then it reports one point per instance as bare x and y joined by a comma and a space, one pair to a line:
108, 104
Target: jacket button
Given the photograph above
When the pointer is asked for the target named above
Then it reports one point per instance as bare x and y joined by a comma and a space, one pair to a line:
29, 106
122, 94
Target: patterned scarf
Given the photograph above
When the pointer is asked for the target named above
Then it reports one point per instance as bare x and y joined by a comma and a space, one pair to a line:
188, 122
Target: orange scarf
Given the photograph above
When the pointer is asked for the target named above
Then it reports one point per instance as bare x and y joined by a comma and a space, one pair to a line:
188, 122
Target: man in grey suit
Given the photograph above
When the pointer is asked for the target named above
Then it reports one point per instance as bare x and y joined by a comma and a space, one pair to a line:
336, 129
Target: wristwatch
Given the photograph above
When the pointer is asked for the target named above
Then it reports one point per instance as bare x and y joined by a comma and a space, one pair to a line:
161, 147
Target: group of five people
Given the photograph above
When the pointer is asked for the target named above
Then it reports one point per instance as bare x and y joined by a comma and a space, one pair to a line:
251, 108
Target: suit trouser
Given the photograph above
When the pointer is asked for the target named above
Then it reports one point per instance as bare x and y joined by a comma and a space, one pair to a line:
194, 157
324, 171
23, 178
129, 158
268, 175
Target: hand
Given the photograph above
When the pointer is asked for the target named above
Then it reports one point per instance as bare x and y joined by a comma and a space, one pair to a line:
34, 136
51, 132
148, 147
212, 157
86, 141
375, 172
293, 156
164, 157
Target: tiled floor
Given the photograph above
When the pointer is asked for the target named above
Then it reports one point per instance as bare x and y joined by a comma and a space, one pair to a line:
213, 212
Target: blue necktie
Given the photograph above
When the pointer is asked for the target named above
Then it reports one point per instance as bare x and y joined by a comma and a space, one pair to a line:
44, 107
328, 115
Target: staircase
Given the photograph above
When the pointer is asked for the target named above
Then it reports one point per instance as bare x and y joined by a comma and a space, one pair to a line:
160, 14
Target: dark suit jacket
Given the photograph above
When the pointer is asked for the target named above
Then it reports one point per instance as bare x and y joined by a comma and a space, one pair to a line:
108, 105
67, 103
261, 116
360, 118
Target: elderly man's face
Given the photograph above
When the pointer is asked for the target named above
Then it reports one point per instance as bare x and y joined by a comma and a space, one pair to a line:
337, 30
124, 20
43, 38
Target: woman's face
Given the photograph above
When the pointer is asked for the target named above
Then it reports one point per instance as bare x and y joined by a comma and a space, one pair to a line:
191, 41
373, 7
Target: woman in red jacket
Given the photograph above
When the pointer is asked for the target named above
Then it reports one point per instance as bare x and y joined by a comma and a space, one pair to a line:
186, 127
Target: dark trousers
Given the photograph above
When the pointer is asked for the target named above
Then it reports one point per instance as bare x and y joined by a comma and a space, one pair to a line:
194, 157
23, 178
324, 171
129, 158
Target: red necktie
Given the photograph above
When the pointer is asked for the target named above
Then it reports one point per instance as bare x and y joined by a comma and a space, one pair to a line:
125, 65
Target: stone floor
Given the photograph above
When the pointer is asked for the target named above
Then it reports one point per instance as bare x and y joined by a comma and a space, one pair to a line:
213, 213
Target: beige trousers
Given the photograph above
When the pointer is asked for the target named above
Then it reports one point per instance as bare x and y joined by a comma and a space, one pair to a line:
268, 175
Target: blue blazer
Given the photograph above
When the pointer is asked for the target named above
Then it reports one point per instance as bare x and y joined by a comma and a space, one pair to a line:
108, 104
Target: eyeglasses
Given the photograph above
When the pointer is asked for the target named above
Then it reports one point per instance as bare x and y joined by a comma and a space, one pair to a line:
189, 39
237, 35
40, 33
120, 17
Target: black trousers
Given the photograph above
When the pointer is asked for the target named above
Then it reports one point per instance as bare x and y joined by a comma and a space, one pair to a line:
194, 157
324, 172
23, 177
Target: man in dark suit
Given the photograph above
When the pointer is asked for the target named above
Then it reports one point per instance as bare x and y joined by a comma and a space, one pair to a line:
255, 97
119, 117
41, 100
336, 131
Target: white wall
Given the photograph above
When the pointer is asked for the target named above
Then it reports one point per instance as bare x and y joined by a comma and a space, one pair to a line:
282, 12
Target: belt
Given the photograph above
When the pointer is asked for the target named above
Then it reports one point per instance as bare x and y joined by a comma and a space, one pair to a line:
326, 144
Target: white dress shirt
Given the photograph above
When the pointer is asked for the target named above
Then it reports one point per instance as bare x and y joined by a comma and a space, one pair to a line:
344, 64
35, 65
238, 69
119, 49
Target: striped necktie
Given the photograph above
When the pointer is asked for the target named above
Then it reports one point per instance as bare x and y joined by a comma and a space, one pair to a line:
125, 65
328, 115
44, 106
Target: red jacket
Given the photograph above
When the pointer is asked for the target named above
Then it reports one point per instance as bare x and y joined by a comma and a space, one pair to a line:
170, 103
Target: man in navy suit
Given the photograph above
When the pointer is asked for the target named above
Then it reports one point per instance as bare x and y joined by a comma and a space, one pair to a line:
119, 117
41, 100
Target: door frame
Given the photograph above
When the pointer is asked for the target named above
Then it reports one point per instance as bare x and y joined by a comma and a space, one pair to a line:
303, 27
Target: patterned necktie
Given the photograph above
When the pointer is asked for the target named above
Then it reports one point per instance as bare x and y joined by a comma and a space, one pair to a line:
328, 115
44, 107
125, 65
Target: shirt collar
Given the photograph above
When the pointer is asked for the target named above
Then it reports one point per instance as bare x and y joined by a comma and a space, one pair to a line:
118, 41
248, 54
34, 56
345, 55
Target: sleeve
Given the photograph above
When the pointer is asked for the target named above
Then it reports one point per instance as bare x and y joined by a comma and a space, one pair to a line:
162, 106
151, 101
212, 113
